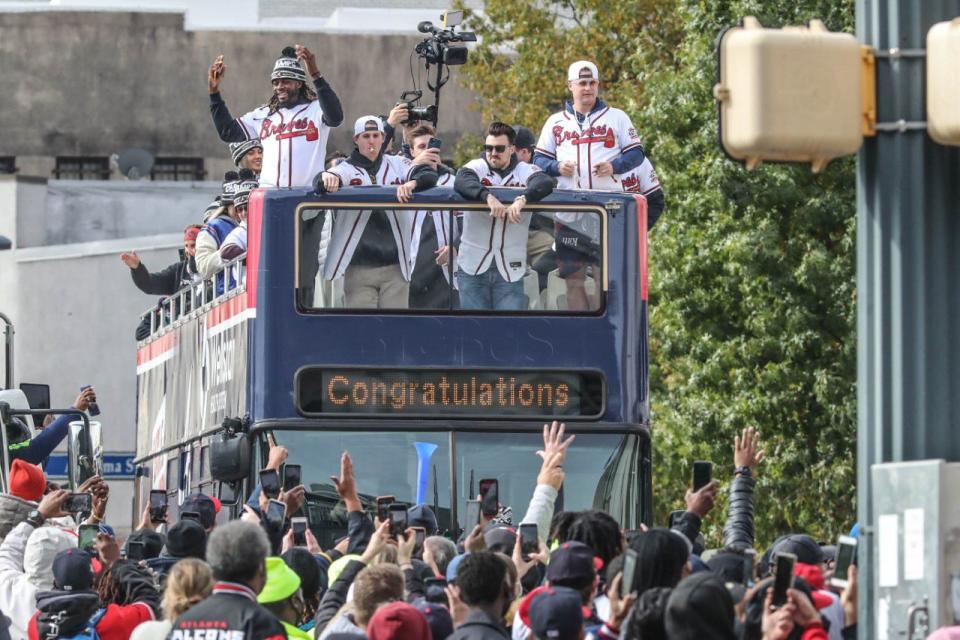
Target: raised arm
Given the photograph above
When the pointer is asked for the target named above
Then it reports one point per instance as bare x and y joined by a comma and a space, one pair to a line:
329, 102
550, 478
738, 531
228, 128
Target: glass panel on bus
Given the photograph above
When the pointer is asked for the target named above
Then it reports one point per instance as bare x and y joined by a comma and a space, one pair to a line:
451, 260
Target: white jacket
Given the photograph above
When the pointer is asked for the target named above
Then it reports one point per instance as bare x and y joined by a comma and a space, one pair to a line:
26, 567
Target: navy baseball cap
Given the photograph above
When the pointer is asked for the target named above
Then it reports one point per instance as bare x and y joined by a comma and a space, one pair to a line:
572, 564
204, 505
187, 539
803, 546
557, 614
524, 138
438, 617
72, 571
422, 516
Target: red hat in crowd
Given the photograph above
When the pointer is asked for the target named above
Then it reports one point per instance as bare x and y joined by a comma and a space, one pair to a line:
398, 621
27, 480
191, 233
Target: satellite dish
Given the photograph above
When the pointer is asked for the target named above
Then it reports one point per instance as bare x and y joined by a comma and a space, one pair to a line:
135, 163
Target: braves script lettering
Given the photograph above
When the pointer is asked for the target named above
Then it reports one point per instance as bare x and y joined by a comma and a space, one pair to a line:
292, 129
600, 133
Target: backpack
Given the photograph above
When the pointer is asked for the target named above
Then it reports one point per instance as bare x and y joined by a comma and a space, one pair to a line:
90, 631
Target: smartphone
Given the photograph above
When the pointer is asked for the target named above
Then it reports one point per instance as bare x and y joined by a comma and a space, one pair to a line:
88, 535
846, 554
78, 503
674, 518
270, 483
134, 550
276, 511
782, 577
473, 515
529, 540
190, 515
420, 534
291, 476
158, 505
92, 408
489, 497
383, 507
749, 566
629, 572
398, 519
702, 474
435, 143
299, 531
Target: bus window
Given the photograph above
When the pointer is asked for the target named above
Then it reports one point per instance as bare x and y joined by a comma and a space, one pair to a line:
451, 260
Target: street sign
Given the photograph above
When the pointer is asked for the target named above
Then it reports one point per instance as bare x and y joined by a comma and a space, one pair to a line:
115, 465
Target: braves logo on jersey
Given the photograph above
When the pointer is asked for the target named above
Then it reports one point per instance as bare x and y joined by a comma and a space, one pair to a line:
602, 134
292, 129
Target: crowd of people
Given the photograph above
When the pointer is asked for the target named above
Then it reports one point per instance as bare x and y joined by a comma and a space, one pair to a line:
64, 574
401, 258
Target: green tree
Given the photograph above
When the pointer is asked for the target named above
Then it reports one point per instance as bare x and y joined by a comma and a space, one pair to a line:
752, 273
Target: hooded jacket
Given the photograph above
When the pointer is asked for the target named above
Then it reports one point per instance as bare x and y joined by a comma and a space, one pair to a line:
26, 567
13, 511
738, 530
232, 607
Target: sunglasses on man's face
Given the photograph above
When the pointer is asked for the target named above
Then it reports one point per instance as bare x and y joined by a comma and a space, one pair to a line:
499, 148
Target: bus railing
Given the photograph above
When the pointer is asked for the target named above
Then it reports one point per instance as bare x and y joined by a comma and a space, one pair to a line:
197, 298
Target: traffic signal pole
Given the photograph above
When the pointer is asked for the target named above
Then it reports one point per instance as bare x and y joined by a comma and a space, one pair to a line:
908, 270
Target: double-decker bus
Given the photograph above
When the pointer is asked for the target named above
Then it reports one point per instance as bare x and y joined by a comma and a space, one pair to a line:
426, 395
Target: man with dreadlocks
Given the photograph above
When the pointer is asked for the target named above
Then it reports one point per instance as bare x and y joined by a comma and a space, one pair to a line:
293, 126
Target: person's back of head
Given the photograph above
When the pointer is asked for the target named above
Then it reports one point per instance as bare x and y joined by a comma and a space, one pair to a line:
662, 555
305, 566
560, 525
573, 565
189, 582
237, 551
700, 608
186, 539
398, 621
557, 614
373, 587
599, 531
481, 578
441, 550
646, 621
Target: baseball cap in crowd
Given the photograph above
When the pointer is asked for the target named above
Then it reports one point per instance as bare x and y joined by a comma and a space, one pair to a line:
524, 138
422, 516
583, 69
288, 66
240, 149
398, 621
27, 480
500, 539
803, 546
191, 233
206, 506
282, 582
556, 614
367, 123
152, 542
187, 539
438, 617
72, 571
573, 564
728, 565
452, 567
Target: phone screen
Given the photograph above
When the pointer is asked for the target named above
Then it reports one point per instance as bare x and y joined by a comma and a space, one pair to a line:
134, 550
398, 519
783, 577
420, 534
158, 505
702, 474
529, 540
473, 515
78, 503
629, 572
749, 566
846, 552
435, 143
291, 476
88, 535
299, 531
275, 513
489, 498
674, 518
383, 507
270, 483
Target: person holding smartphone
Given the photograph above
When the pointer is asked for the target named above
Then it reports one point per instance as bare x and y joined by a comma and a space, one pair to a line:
36, 449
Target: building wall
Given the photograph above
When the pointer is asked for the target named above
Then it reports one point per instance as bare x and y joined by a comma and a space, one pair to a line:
116, 80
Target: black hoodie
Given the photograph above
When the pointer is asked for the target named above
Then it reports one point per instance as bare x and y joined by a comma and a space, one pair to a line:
62, 614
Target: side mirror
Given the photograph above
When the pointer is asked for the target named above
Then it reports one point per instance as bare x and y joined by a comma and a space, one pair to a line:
230, 458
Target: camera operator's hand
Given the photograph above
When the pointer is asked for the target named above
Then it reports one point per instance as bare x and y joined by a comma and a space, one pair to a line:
429, 157
398, 114
309, 60
405, 190
702, 501
497, 209
567, 169
107, 548
377, 543
131, 259
331, 182
407, 541
215, 74
619, 607
51, 505
86, 397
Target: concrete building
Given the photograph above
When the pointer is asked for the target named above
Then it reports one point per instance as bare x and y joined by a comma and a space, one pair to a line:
85, 81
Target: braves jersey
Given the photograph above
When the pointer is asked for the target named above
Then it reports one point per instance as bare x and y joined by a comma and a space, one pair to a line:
487, 240
348, 225
601, 137
294, 143
642, 180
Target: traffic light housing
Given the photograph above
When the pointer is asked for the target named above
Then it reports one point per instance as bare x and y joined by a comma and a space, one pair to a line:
943, 82
791, 94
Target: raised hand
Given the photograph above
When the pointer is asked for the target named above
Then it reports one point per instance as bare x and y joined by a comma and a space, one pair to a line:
746, 448
215, 74
131, 259
309, 60
277, 455
553, 439
346, 484
702, 501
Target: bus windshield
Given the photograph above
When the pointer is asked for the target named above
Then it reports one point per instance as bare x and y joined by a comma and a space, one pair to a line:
386, 463
396, 259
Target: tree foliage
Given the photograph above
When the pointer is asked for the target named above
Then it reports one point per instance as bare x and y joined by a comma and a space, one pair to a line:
752, 292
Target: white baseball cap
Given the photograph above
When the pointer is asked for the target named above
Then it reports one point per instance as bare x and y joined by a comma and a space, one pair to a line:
583, 69
367, 123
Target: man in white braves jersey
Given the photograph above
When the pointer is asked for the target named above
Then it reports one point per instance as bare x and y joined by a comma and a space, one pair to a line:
371, 249
493, 248
293, 126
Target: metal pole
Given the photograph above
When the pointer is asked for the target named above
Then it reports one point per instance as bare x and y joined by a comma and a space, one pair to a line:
8, 350
908, 258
